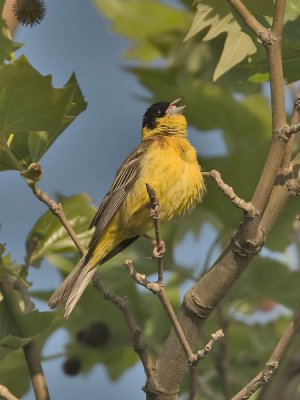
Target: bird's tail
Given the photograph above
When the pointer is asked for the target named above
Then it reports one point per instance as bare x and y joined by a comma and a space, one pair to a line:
70, 291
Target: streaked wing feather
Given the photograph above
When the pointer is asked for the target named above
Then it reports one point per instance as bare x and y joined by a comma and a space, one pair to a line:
125, 178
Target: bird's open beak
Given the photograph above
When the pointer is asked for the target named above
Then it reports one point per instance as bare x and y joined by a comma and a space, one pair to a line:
173, 109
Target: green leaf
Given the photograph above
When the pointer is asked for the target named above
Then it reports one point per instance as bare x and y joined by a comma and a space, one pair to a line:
237, 46
7, 46
28, 101
15, 366
141, 21
32, 112
18, 329
51, 235
9, 267
216, 19
40, 141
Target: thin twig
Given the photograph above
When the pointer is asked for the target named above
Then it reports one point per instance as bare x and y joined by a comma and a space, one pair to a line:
123, 304
193, 368
6, 394
286, 131
256, 27
213, 338
57, 209
141, 279
294, 120
229, 192
272, 364
177, 328
158, 289
154, 205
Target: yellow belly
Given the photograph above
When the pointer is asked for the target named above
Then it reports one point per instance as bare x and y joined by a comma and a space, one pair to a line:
171, 168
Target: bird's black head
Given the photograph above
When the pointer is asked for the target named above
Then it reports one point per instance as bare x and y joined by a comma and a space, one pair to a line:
156, 110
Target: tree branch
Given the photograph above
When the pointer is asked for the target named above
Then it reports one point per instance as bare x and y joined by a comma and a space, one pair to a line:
278, 145
158, 289
253, 24
294, 121
272, 364
229, 192
213, 338
123, 304
58, 211
154, 205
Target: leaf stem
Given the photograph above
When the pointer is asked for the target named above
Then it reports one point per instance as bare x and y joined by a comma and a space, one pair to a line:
15, 162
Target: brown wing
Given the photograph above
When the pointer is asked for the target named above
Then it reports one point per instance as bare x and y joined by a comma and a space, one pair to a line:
125, 178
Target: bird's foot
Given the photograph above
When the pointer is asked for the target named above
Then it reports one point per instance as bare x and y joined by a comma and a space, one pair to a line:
153, 211
158, 249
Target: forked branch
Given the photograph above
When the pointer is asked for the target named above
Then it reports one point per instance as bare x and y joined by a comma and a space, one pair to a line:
159, 289
122, 303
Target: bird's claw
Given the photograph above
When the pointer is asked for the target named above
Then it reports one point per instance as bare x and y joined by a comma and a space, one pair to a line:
153, 211
158, 249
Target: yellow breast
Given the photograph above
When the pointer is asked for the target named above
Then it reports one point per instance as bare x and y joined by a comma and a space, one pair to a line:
170, 166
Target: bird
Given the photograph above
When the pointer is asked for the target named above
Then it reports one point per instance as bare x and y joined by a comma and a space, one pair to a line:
167, 162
